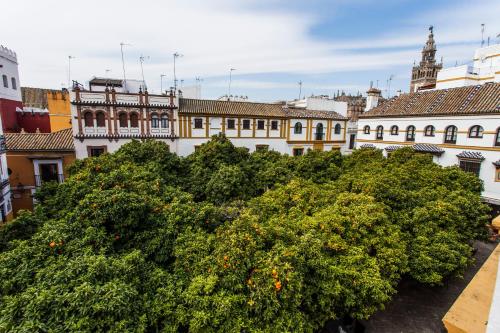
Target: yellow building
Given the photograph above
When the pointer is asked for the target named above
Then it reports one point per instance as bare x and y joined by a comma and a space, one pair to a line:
59, 109
35, 158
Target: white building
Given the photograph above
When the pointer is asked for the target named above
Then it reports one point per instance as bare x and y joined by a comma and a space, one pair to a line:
485, 68
458, 126
105, 120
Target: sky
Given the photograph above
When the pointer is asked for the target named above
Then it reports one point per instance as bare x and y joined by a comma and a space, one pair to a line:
329, 45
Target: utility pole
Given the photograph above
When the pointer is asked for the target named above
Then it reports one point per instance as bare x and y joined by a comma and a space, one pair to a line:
141, 60
161, 82
230, 79
300, 89
122, 44
69, 71
176, 55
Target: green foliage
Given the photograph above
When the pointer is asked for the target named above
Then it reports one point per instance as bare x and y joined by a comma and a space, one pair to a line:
224, 240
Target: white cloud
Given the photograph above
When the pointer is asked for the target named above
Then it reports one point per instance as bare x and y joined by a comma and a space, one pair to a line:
214, 36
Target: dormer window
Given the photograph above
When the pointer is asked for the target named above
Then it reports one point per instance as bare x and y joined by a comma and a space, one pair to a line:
380, 132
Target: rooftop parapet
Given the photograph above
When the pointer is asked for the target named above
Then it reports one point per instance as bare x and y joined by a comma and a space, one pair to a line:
8, 54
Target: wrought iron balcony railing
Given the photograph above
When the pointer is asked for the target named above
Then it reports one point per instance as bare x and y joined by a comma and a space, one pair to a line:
39, 180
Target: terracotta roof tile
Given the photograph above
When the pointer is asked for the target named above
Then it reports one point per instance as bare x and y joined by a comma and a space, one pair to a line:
462, 100
473, 155
213, 107
57, 141
314, 114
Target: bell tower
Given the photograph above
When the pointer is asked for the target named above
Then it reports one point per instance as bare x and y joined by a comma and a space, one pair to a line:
424, 75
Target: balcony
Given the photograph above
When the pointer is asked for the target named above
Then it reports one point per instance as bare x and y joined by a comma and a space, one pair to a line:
39, 179
319, 136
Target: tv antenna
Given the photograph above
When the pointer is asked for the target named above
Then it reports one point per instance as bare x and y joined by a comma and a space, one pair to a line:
230, 80
141, 60
482, 34
69, 70
122, 44
300, 88
389, 85
176, 55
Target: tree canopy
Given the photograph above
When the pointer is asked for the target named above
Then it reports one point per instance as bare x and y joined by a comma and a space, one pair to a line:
224, 240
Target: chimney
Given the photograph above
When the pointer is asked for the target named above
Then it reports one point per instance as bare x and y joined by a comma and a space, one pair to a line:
373, 97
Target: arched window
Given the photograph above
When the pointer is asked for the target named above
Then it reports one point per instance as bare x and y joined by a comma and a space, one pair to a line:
100, 119
429, 130
410, 133
380, 132
134, 120
394, 130
89, 119
164, 121
122, 118
497, 138
319, 131
297, 129
338, 129
476, 131
155, 122
366, 130
450, 134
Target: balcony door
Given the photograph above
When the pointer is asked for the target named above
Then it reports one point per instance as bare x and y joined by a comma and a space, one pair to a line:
49, 172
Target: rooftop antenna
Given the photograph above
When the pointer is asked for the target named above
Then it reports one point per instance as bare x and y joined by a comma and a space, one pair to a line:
199, 80
482, 34
141, 60
377, 84
300, 88
182, 84
69, 70
176, 55
230, 80
498, 38
389, 85
161, 82
106, 71
122, 44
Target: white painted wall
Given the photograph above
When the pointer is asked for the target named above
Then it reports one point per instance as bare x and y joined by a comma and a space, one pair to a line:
9, 67
485, 145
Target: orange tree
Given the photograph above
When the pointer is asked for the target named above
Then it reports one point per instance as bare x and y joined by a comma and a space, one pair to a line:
224, 240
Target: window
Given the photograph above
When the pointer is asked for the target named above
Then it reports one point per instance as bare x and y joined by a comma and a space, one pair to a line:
429, 130
450, 134
5, 81
155, 121
394, 130
134, 120
96, 151
380, 132
13, 83
497, 175
246, 124
319, 132
274, 125
198, 123
366, 130
476, 131
231, 124
298, 151
48, 172
410, 133
100, 119
261, 147
260, 124
471, 166
89, 119
164, 121
497, 138
122, 119
297, 129
337, 129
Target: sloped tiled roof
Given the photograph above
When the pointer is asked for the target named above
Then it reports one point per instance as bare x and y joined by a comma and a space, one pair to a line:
473, 155
57, 141
393, 148
231, 108
367, 146
313, 114
467, 100
427, 148
214, 107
